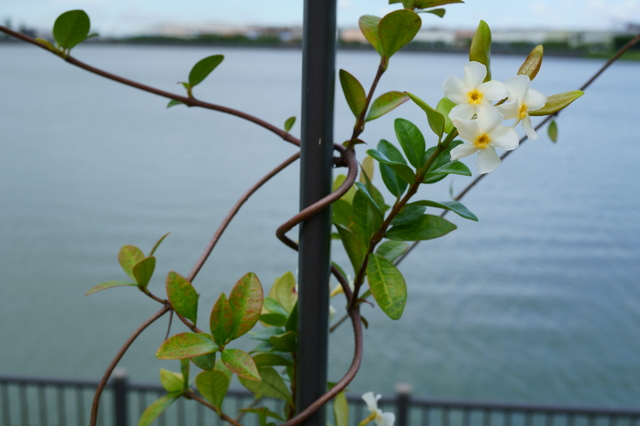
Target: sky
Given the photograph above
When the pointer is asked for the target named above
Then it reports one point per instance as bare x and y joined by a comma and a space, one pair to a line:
121, 17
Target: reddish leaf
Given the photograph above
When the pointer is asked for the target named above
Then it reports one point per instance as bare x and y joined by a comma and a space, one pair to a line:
246, 304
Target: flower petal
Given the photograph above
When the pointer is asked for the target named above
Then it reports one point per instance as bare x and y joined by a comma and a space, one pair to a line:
528, 128
487, 160
455, 89
371, 401
494, 90
488, 118
474, 74
518, 86
534, 100
388, 419
509, 109
468, 129
504, 138
463, 150
463, 111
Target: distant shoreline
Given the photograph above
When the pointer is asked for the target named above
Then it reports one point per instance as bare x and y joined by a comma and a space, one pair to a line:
412, 47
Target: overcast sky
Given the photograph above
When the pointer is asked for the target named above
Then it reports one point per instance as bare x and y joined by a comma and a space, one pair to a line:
117, 17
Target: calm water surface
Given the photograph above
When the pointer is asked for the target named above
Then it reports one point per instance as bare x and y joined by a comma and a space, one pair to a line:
539, 301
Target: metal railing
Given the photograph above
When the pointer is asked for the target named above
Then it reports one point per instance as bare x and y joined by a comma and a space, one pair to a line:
59, 402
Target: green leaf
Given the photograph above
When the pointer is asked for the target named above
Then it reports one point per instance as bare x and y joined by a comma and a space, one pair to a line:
396, 29
385, 103
182, 296
408, 214
270, 359
284, 291
221, 321
444, 107
272, 305
154, 410
171, 382
341, 410
411, 141
387, 286
348, 196
274, 319
424, 4
391, 250
109, 284
392, 181
240, 363
426, 228
206, 362
368, 168
341, 213
292, 322
289, 123
454, 167
213, 386
174, 102
480, 50
143, 271
157, 244
366, 219
263, 413
435, 118
246, 303
203, 68
353, 92
557, 102
185, 345
266, 333
369, 27
71, 28
285, 342
438, 12
364, 189
271, 386
128, 257
532, 64
552, 131
454, 206
355, 247
401, 169
184, 369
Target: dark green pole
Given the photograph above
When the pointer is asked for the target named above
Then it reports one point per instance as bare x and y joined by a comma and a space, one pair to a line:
318, 82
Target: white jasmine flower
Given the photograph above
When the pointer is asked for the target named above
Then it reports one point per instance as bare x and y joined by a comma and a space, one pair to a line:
377, 415
522, 99
470, 92
332, 312
483, 135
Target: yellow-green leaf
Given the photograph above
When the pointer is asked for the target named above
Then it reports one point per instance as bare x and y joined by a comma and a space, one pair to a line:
444, 107
245, 300
552, 130
157, 244
213, 385
397, 29
341, 410
353, 92
532, 64
289, 123
435, 118
128, 257
387, 286
369, 27
182, 296
271, 386
480, 50
158, 407
171, 382
221, 321
284, 291
240, 363
143, 271
109, 284
185, 345
557, 102
385, 103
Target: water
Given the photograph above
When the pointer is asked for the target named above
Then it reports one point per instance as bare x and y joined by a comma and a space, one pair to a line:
537, 302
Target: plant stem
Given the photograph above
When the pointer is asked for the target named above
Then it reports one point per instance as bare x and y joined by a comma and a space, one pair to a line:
116, 359
222, 415
359, 126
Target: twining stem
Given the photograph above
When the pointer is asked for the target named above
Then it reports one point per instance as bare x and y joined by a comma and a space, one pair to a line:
189, 101
116, 359
358, 128
233, 211
223, 416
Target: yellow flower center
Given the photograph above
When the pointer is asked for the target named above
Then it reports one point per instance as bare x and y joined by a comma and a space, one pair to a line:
482, 141
523, 111
475, 97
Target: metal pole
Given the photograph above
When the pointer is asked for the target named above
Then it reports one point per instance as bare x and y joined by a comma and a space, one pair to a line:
318, 80
120, 385
403, 395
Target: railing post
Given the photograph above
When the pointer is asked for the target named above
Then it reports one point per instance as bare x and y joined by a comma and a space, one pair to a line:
316, 162
403, 395
120, 388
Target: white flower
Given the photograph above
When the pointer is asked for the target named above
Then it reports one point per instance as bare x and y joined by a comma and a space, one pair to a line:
377, 415
483, 135
522, 99
470, 92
